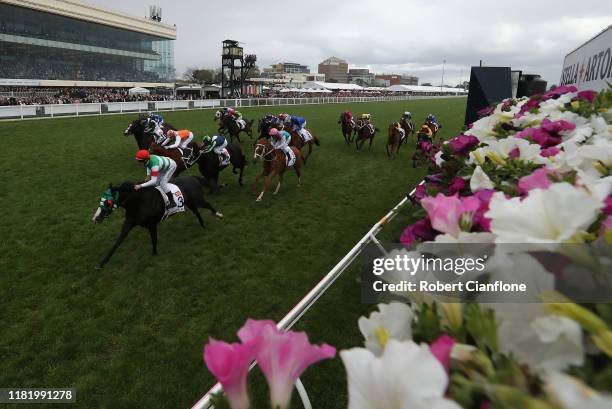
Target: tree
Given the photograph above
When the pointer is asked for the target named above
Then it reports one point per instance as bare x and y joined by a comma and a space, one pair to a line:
253, 73
199, 75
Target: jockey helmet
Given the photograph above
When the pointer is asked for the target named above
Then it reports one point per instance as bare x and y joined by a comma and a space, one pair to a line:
273, 132
207, 140
282, 116
408, 114
143, 154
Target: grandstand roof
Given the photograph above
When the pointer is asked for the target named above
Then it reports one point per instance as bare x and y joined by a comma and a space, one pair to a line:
424, 88
331, 86
81, 11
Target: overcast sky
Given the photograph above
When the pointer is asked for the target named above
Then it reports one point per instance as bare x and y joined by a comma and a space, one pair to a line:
390, 36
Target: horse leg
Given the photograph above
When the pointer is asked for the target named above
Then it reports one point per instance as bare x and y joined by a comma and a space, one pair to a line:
241, 172
357, 144
266, 185
153, 234
195, 211
206, 205
297, 171
280, 180
125, 229
257, 180
371, 140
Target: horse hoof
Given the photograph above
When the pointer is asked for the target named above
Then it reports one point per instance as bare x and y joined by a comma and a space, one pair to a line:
258, 200
219, 215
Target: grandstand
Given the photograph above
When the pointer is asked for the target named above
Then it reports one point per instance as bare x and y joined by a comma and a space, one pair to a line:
67, 43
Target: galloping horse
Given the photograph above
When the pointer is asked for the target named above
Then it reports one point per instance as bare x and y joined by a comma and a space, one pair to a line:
266, 123
395, 133
146, 208
434, 127
408, 127
348, 126
364, 132
298, 142
232, 127
142, 128
208, 163
424, 145
274, 164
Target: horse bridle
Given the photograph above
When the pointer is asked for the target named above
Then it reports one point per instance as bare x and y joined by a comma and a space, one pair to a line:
266, 153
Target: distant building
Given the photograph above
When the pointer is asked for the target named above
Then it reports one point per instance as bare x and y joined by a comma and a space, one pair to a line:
398, 79
335, 69
66, 43
287, 68
361, 76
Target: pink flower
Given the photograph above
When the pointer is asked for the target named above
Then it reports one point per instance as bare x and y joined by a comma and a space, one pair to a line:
608, 205
485, 112
283, 357
556, 127
528, 106
514, 153
587, 95
551, 151
457, 184
441, 348
479, 221
462, 144
537, 180
252, 329
421, 230
419, 192
557, 92
229, 363
539, 136
444, 212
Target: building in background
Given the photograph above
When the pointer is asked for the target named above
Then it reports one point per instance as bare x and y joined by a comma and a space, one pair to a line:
399, 79
361, 76
335, 69
69, 43
286, 68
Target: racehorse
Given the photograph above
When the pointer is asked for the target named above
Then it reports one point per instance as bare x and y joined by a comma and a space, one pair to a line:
408, 127
424, 145
434, 128
394, 141
231, 126
274, 164
348, 126
146, 208
364, 132
208, 163
298, 142
142, 128
266, 123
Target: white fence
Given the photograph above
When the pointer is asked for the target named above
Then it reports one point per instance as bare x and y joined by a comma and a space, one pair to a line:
63, 110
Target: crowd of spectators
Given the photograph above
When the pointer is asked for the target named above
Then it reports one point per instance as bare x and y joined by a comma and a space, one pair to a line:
42, 96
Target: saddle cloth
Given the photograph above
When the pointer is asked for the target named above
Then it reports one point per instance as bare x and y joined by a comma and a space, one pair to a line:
306, 136
177, 196
241, 123
224, 158
402, 133
370, 127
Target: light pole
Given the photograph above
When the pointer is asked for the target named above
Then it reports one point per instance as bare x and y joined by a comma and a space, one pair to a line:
442, 83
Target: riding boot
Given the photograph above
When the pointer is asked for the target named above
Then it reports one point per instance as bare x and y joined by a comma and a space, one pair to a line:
171, 200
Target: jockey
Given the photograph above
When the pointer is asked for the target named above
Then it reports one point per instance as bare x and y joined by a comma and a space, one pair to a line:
182, 138
426, 131
298, 124
217, 144
159, 170
157, 118
228, 111
365, 118
407, 116
280, 140
348, 117
432, 118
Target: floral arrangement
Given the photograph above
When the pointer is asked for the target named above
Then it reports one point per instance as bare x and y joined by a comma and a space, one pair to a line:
534, 171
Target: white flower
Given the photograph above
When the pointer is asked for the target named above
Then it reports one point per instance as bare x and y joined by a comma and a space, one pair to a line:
406, 376
500, 150
394, 321
483, 129
465, 237
552, 215
571, 393
480, 180
438, 158
543, 341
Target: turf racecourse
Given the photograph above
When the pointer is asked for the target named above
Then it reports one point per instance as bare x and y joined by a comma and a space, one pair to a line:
131, 335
